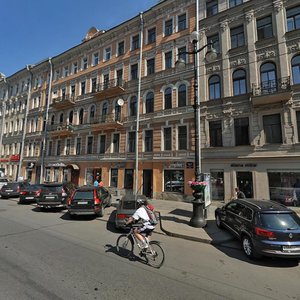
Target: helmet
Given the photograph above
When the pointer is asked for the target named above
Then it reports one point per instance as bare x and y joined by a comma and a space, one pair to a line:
141, 201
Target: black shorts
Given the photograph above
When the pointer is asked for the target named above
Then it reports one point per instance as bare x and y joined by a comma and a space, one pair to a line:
147, 231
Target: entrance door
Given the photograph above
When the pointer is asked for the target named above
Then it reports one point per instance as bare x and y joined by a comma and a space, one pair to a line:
147, 183
75, 176
245, 183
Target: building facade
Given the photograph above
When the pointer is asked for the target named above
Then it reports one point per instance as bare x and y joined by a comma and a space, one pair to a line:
116, 105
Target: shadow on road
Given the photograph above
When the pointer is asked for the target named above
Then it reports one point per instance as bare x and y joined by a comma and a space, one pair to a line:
49, 210
67, 217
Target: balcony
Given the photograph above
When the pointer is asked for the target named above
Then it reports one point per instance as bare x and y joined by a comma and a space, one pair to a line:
110, 88
63, 102
110, 121
271, 92
61, 129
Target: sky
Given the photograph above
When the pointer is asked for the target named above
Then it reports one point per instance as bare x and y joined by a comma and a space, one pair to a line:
33, 30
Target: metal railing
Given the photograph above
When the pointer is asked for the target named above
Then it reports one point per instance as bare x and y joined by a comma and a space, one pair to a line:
271, 86
108, 85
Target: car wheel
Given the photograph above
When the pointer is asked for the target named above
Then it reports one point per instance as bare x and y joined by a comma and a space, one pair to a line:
218, 221
101, 212
248, 248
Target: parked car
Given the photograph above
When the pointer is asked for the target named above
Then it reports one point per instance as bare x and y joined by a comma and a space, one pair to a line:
125, 209
12, 189
55, 194
88, 200
30, 193
3, 181
264, 227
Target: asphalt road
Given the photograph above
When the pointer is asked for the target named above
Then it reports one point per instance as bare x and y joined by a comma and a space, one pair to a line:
45, 255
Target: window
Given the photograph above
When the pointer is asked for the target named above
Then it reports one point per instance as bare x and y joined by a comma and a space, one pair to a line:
66, 71
211, 8
133, 106
63, 93
81, 116
268, 78
168, 98
84, 63
182, 54
148, 141
68, 146
293, 18
237, 37
120, 77
241, 129
182, 22
134, 71
105, 81
150, 102
50, 148
215, 134
107, 53
168, 60
116, 143
117, 112
233, 3
58, 147
150, 66
135, 42
121, 48
131, 141
114, 177
82, 88
168, 27
89, 148
102, 145
75, 68
174, 181
151, 35
92, 113
214, 87
298, 124
94, 85
167, 139
214, 39
239, 82
182, 95
182, 138
272, 129
61, 118
264, 28
78, 146
296, 69
104, 112
95, 58
73, 88
71, 114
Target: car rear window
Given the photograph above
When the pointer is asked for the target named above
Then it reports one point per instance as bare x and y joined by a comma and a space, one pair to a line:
3, 180
12, 185
129, 204
280, 221
52, 189
33, 187
89, 195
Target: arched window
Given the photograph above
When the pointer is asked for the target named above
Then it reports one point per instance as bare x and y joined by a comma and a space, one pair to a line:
81, 116
71, 114
268, 78
133, 106
182, 95
239, 82
53, 120
296, 69
150, 102
61, 118
92, 113
104, 111
214, 87
168, 98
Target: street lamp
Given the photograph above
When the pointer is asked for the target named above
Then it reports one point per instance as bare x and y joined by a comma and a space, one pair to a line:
197, 219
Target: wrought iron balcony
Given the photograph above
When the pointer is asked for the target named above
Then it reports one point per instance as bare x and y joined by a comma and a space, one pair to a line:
61, 128
63, 102
272, 91
112, 87
108, 121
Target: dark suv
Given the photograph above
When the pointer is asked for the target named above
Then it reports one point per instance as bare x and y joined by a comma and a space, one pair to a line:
264, 227
55, 194
88, 200
12, 189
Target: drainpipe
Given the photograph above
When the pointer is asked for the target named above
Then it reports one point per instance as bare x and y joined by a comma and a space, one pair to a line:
44, 146
28, 67
3, 77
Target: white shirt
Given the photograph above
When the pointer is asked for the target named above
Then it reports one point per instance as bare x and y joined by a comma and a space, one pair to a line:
141, 213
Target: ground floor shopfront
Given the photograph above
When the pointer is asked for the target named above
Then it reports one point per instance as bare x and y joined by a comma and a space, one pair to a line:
267, 178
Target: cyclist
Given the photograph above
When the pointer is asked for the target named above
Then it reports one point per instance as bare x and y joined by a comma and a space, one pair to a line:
141, 215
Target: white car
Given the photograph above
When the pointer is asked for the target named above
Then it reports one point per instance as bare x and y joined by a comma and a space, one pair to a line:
3, 181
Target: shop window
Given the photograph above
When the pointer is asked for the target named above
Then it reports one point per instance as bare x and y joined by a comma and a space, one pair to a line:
217, 184
174, 181
56, 175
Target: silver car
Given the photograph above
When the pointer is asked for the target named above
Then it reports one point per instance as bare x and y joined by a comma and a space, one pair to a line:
3, 181
125, 209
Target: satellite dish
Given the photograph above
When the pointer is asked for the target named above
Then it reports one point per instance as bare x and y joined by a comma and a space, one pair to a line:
120, 102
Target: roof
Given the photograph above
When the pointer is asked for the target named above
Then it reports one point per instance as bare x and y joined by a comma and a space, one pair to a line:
265, 205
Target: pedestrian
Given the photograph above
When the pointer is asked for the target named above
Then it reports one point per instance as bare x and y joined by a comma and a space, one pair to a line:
238, 194
101, 184
97, 180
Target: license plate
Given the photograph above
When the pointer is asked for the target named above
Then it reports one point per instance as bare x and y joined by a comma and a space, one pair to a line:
82, 202
9, 190
29, 198
291, 248
50, 197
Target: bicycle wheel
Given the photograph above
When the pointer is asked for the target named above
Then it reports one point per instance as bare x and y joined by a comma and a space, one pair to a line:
124, 245
155, 255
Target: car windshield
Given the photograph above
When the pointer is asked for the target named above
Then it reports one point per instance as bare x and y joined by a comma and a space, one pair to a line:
89, 195
280, 221
52, 189
128, 204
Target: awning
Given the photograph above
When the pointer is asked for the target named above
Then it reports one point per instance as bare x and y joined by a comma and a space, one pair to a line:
74, 166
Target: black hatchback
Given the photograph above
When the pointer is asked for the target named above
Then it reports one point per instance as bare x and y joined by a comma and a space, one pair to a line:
264, 227
12, 189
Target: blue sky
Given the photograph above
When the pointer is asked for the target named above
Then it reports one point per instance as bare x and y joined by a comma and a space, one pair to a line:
32, 30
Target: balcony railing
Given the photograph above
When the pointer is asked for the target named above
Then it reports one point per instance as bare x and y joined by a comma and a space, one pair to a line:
109, 88
64, 101
62, 127
271, 87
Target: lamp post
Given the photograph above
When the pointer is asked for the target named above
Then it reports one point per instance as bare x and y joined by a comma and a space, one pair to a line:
197, 219
3, 78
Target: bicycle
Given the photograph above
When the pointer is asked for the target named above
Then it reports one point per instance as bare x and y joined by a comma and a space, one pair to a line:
153, 254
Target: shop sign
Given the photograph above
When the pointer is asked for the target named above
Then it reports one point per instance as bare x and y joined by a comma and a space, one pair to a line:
4, 160
189, 165
15, 157
118, 166
243, 165
175, 165
59, 164
30, 165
